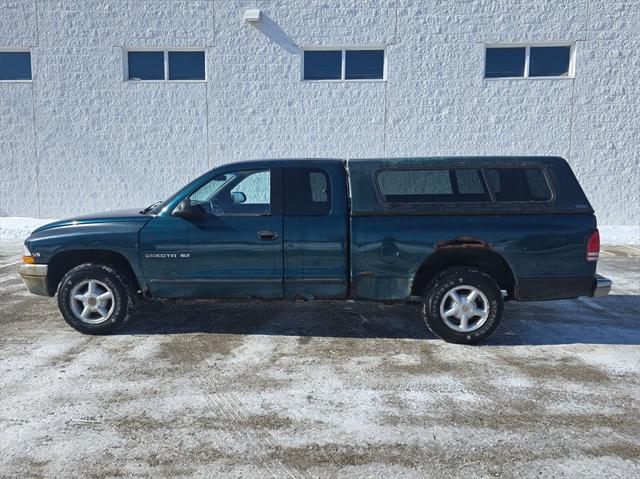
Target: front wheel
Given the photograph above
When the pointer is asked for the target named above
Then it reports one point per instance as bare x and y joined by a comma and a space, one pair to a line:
95, 298
463, 305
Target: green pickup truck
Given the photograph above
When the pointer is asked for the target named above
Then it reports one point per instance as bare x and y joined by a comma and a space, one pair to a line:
459, 234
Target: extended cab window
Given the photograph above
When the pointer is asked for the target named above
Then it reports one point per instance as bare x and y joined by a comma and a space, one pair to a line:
307, 192
518, 184
245, 192
432, 186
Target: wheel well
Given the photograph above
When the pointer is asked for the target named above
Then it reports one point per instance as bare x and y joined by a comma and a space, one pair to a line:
61, 263
488, 261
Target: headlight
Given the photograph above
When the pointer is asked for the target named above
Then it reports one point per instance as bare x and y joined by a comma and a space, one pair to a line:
27, 257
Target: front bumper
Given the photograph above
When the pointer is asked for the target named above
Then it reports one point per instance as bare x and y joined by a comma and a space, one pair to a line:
601, 286
34, 277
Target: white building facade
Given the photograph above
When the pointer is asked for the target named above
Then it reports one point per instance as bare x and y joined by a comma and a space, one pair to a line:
81, 132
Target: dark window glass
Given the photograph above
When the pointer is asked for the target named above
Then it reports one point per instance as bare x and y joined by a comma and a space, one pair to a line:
469, 182
319, 187
518, 184
431, 186
307, 192
146, 65
186, 65
549, 61
323, 65
493, 181
15, 66
364, 64
538, 186
504, 62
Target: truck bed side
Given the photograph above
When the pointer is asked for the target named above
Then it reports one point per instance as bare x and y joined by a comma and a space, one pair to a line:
544, 252
537, 252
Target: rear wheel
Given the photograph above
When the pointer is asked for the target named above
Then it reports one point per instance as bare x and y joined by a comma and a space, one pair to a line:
95, 298
463, 305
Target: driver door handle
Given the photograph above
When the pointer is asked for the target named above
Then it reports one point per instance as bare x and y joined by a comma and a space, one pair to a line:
267, 235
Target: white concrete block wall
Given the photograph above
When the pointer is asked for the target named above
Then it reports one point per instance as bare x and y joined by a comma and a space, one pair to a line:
259, 107
79, 138
605, 150
19, 192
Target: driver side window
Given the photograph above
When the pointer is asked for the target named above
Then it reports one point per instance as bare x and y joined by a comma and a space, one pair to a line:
255, 187
246, 192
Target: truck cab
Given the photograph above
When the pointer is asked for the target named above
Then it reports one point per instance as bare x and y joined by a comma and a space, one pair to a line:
459, 234
252, 230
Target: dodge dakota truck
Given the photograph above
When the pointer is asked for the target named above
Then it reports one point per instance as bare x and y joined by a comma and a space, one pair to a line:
459, 234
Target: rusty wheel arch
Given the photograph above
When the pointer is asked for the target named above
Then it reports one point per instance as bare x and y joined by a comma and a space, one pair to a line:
465, 251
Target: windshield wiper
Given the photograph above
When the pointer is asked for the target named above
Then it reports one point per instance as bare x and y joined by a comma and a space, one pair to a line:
150, 207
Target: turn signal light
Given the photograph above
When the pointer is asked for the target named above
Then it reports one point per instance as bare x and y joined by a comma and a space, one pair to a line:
28, 260
593, 246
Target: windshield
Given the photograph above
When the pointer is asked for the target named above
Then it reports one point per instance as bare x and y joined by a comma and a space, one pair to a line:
157, 207
206, 192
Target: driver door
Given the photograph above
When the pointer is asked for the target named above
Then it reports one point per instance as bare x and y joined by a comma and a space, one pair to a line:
235, 245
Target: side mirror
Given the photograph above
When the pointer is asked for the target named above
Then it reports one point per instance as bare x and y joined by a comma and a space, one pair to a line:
238, 197
184, 209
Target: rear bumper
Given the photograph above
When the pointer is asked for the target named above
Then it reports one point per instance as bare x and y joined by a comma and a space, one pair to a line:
601, 287
542, 289
34, 277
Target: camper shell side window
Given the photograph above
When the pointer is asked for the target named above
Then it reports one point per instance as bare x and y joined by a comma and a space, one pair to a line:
464, 185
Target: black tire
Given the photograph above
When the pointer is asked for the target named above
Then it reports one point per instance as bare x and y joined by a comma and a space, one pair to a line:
454, 280
120, 306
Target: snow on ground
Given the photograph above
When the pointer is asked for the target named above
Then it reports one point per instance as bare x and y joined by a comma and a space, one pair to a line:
18, 227
322, 389
620, 234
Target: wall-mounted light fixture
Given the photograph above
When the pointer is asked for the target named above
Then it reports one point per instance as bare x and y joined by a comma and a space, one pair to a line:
252, 15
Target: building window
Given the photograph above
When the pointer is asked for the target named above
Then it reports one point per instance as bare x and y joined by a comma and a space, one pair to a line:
186, 65
146, 65
504, 62
364, 64
15, 65
549, 61
323, 65
159, 65
344, 64
529, 61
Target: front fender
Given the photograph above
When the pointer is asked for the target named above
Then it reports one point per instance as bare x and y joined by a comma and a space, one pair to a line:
117, 237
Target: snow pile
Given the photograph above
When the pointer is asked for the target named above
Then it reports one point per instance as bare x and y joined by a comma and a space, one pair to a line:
19, 227
620, 234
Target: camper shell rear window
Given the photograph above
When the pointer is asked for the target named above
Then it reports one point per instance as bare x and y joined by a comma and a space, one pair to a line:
503, 184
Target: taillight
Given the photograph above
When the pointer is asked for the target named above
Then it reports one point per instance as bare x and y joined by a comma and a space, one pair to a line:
593, 246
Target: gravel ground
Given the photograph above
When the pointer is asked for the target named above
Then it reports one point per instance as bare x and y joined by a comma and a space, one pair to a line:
328, 389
